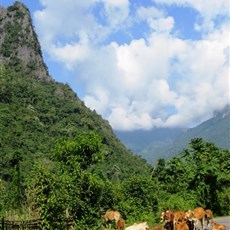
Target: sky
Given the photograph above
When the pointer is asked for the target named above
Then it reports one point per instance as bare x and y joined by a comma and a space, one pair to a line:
140, 64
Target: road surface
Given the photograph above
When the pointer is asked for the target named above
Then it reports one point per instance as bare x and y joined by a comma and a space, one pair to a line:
223, 220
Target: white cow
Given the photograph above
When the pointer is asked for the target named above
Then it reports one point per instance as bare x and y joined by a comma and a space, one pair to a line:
138, 226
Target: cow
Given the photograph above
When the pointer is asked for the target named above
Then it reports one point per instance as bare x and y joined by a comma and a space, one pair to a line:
182, 225
121, 224
167, 217
208, 216
168, 226
179, 216
197, 215
190, 224
216, 226
111, 215
138, 226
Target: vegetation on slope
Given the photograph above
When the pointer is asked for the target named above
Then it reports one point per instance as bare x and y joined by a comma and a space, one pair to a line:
35, 114
65, 187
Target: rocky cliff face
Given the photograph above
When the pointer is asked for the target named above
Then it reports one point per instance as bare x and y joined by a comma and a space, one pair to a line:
19, 45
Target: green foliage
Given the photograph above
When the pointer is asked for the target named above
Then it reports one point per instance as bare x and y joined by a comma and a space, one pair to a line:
68, 189
138, 199
3, 194
35, 114
198, 176
177, 201
223, 196
85, 150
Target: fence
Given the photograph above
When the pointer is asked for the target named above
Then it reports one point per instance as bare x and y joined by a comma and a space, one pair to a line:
28, 224
20, 224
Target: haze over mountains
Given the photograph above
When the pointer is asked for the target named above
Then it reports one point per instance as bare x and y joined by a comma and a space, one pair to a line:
166, 143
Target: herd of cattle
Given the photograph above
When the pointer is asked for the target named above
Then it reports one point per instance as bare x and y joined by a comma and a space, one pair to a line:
196, 219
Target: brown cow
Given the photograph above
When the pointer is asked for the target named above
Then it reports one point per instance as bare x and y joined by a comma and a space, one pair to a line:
181, 225
197, 215
167, 216
111, 216
121, 224
216, 226
179, 216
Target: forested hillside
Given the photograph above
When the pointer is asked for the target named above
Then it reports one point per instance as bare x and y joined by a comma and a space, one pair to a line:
59, 159
215, 129
138, 140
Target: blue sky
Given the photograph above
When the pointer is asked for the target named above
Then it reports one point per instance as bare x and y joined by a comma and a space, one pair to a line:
140, 64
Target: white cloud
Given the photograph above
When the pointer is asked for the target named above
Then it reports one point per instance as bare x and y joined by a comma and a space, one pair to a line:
155, 18
156, 80
117, 2
144, 13
116, 11
68, 19
207, 9
127, 121
162, 24
71, 53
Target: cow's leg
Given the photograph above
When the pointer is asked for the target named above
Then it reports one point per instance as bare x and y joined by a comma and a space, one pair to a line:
208, 224
202, 223
196, 225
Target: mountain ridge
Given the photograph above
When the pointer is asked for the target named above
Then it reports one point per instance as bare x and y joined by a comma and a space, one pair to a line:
215, 130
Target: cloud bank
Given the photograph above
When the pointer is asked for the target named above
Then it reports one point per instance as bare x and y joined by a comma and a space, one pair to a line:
132, 63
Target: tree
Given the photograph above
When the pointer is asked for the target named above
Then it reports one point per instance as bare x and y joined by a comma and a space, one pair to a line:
138, 198
203, 160
199, 176
86, 149
69, 189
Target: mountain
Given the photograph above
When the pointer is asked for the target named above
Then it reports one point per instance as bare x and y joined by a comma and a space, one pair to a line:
215, 130
36, 111
138, 140
19, 43
166, 143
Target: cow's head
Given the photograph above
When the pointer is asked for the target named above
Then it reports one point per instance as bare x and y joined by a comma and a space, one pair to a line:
169, 215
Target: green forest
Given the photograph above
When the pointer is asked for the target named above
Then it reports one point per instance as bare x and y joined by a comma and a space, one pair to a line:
59, 159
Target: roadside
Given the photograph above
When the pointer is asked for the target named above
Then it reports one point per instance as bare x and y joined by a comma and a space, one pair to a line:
223, 220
